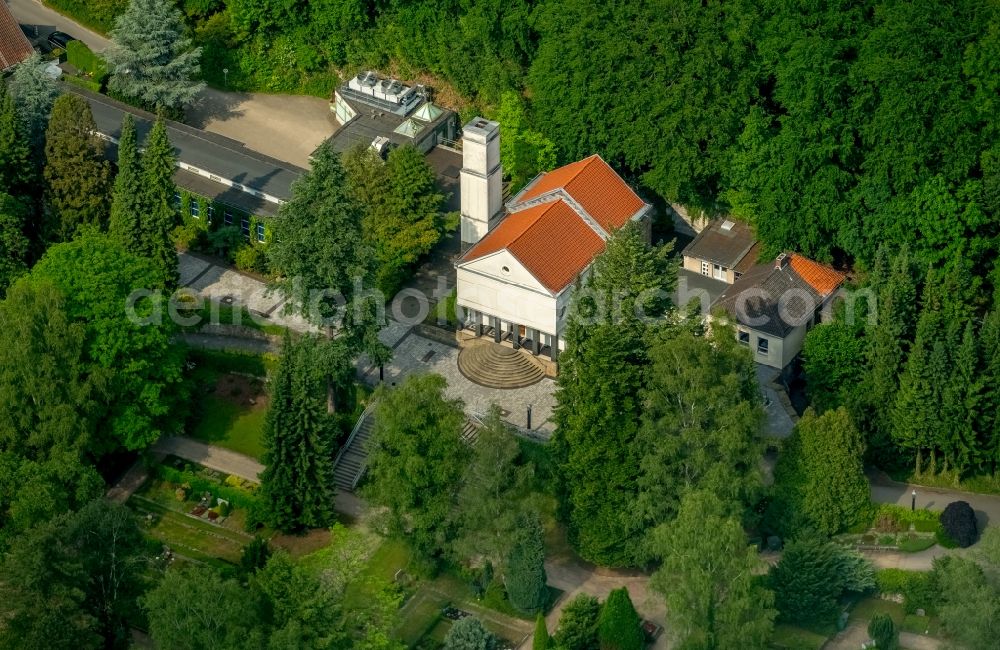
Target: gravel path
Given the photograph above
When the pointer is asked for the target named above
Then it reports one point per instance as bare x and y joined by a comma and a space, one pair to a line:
216, 458
230, 343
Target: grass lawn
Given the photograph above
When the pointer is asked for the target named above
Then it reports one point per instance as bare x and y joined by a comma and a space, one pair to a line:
863, 611
232, 415
189, 537
788, 637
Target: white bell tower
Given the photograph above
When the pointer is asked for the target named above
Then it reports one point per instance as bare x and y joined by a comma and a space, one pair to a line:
481, 179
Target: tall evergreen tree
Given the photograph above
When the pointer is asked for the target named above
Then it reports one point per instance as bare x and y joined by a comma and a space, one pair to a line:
319, 252
524, 570
15, 155
988, 417
127, 205
915, 408
77, 177
14, 244
888, 339
151, 58
618, 626
541, 639
160, 215
598, 400
300, 443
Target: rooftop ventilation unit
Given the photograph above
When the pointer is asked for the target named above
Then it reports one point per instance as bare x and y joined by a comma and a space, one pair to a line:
727, 225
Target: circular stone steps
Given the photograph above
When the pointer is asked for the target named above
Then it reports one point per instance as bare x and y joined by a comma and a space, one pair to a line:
498, 366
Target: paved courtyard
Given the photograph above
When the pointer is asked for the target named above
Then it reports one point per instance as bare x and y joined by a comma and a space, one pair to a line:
221, 284
416, 354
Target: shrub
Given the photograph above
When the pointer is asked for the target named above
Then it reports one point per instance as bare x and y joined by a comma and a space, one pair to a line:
469, 634
810, 578
525, 575
224, 241
251, 258
237, 497
188, 236
541, 638
619, 626
959, 522
82, 82
255, 555
883, 631
915, 587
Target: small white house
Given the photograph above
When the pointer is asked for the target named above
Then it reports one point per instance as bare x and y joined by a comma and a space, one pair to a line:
516, 278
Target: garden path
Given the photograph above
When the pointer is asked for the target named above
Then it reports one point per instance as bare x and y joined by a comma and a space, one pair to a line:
217, 458
885, 490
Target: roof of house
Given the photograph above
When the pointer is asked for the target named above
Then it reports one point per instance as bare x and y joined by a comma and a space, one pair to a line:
14, 46
725, 242
595, 186
777, 297
550, 240
221, 156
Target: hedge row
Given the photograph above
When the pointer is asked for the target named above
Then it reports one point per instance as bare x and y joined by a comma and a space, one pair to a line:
87, 84
235, 496
81, 58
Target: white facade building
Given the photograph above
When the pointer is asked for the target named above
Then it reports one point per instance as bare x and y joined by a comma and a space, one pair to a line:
515, 280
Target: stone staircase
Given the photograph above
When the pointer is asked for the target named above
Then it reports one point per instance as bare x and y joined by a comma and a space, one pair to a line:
498, 366
352, 461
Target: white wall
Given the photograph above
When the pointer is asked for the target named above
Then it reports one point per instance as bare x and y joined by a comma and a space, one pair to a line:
515, 296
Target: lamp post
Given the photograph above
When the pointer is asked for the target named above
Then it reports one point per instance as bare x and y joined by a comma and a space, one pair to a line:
913, 501
225, 77
529, 416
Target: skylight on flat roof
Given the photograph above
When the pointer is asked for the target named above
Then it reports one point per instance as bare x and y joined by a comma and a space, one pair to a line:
727, 225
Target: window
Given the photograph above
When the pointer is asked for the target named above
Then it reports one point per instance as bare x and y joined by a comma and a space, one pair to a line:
744, 338
245, 226
260, 232
761, 345
704, 267
177, 200
211, 212
719, 272
195, 209
227, 217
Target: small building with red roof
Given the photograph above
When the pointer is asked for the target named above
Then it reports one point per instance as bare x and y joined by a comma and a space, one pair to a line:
523, 259
14, 46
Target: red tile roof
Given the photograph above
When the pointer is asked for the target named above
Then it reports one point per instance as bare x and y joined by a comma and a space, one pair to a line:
14, 47
595, 186
820, 277
550, 240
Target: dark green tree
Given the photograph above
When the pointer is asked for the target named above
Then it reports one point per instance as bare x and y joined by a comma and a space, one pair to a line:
599, 396
882, 630
493, 492
820, 482
469, 634
524, 569
969, 603
416, 460
578, 624
128, 208
255, 555
300, 441
810, 578
16, 165
541, 639
77, 177
833, 358
159, 215
34, 92
618, 626
708, 581
14, 244
701, 425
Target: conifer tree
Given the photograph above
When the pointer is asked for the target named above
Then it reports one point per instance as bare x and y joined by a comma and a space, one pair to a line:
300, 442
160, 216
618, 626
127, 205
888, 339
916, 408
15, 156
962, 401
77, 177
541, 639
151, 57
14, 244
524, 574
989, 411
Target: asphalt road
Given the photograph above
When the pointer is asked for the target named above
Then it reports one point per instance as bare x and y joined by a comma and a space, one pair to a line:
31, 13
884, 490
